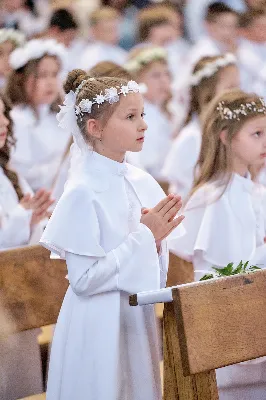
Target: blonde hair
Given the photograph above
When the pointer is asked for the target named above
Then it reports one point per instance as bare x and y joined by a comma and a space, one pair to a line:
215, 160
205, 91
111, 69
103, 14
151, 17
90, 89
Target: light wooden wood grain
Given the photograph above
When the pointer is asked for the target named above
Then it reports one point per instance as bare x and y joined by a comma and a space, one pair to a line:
176, 385
36, 397
179, 271
221, 321
32, 287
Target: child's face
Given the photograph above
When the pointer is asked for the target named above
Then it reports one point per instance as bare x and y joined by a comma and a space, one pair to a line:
257, 30
157, 79
107, 31
6, 49
4, 122
249, 145
65, 37
43, 88
162, 34
125, 129
12, 5
228, 79
224, 29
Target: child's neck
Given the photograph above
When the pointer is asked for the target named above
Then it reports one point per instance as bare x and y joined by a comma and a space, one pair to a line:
240, 168
115, 156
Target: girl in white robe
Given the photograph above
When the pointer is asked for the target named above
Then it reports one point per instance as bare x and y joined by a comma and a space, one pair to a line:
22, 218
149, 66
105, 349
225, 215
104, 68
33, 88
211, 76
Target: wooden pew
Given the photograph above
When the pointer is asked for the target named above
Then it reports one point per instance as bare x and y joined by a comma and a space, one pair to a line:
197, 323
32, 287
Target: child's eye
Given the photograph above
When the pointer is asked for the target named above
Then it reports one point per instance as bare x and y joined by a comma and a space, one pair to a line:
258, 134
143, 115
130, 116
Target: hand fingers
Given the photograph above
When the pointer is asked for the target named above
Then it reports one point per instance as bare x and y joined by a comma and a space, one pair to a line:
173, 211
173, 225
177, 221
26, 201
169, 205
41, 199
163, 202
144, 211
44, 207
39, 193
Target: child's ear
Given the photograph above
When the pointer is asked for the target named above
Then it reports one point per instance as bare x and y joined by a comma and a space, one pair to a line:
94, 128
223, 136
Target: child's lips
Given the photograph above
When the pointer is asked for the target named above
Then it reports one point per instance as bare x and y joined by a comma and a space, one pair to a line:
3, 134
141, 139
263, 155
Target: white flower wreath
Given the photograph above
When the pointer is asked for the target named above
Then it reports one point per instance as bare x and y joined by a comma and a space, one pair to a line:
35, 49
244, 109
12, 35
145, 57
111, 96
212, 67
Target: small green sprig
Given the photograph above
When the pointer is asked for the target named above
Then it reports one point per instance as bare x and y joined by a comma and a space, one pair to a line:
229, 270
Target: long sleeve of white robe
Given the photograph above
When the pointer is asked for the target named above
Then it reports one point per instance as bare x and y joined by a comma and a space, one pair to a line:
15, 230
15, 221
91, 275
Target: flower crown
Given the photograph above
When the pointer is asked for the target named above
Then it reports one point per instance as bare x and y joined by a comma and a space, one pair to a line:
145, 57
12, 35
211, 68
244, 109
35, 49
111, 95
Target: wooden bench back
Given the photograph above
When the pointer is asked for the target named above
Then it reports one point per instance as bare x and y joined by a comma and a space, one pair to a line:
32, 287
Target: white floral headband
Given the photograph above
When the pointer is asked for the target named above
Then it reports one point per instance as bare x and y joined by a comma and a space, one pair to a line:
35, 49
69, 111
111, 95
244, 109
145, 57
12, 35
211, 68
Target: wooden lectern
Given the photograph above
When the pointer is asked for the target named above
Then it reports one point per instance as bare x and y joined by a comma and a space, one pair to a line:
208, 325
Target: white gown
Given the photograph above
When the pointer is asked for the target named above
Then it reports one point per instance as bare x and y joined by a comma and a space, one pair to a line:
40, 146
251, 62
158, 139
179, 167
99, 51
106, 349
229, 229
20, 366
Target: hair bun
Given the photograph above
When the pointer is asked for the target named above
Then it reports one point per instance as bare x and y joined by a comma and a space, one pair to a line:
74, 79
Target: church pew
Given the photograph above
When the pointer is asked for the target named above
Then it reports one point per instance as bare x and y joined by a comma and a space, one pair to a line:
209, 325
32, 287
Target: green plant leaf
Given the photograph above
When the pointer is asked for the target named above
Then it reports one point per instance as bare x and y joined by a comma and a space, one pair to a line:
239, 269
206, 277
226, 271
